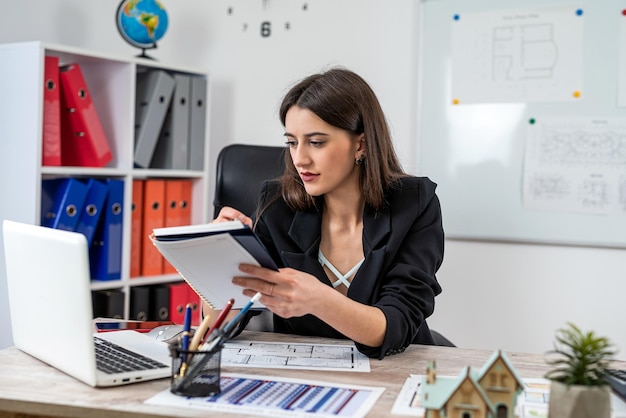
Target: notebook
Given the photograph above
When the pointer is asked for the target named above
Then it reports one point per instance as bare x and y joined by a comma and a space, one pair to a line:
217, 248
51, 312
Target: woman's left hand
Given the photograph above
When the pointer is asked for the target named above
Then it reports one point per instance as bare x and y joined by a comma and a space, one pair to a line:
290, 293
287, 292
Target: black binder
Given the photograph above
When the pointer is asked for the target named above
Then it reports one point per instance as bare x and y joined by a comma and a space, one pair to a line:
160, 303
139, 303
108, 303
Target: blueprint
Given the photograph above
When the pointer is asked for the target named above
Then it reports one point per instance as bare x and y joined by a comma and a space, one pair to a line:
531, 55
329, 357
576, 165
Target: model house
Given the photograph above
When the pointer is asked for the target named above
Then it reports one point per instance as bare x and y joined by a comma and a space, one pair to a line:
489, 393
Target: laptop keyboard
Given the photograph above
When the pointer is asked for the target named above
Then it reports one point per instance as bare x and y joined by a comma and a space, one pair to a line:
617, 380
111, 358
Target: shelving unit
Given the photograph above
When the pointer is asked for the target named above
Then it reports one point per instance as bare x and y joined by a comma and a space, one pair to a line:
111, 81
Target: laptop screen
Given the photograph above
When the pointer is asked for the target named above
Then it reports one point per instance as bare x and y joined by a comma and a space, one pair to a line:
50, 297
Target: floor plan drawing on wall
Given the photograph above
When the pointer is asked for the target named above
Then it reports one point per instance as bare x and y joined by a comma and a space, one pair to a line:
517, 56
576, 165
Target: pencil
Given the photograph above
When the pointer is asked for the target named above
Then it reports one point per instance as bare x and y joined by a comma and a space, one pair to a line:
219, 320
185, 340
241, 313
197, 336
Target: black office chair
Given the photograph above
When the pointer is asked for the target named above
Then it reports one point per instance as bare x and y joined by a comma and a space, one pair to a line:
441, 340
241, 169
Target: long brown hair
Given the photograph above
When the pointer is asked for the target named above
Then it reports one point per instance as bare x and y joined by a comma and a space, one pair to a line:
343, 99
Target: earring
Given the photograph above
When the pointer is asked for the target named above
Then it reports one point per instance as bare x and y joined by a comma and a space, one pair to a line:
360, 160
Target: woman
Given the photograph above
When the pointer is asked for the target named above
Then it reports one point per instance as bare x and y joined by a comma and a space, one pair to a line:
358, 240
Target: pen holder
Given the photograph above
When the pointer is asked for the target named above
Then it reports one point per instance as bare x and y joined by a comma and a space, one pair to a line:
199, 375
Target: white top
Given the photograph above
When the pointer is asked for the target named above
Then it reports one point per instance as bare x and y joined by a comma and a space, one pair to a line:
341, 278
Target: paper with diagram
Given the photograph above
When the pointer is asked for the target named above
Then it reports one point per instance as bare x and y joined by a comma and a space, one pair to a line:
529, 55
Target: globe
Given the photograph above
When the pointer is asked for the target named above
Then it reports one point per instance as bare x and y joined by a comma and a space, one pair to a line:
141, 23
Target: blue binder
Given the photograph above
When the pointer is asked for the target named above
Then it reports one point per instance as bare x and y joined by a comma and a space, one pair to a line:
105, 254
62, 201
94, 203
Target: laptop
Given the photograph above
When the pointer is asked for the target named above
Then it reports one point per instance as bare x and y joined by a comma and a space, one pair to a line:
51, 310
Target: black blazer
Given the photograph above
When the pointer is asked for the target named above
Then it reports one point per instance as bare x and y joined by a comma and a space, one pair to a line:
403, 246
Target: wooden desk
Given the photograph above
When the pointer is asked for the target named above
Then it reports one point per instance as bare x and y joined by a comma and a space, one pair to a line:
29, 387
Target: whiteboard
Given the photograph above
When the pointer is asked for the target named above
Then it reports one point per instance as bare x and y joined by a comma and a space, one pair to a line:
475, 152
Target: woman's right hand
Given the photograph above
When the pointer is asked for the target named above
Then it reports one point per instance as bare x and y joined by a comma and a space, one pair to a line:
231, 214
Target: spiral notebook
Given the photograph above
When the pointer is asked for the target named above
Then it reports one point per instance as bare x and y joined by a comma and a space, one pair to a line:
207, 256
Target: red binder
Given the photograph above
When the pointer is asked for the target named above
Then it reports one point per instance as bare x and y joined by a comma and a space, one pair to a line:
153, 217
180, 295
177, 208
51, 151
83, 141
178, 301
196, 306
136, 236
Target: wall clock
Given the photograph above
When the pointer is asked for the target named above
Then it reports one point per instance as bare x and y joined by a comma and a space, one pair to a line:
271, 18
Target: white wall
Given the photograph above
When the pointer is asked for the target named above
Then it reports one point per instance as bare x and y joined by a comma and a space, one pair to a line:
513, 296
496, 295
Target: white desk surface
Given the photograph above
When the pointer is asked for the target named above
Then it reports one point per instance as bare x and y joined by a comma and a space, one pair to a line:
29, 387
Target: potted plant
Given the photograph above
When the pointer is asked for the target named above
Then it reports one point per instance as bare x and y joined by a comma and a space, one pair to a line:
578, 388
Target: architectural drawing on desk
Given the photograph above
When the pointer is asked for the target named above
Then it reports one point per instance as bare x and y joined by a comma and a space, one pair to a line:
330, 357
490, 393
529, 55
576, 165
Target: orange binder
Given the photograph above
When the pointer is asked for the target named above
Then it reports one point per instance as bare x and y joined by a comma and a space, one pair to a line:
51, 150
83, 141
153, 217
177, 208
136, 236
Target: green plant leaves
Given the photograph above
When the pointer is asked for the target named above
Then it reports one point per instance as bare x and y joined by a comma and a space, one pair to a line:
579, 358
